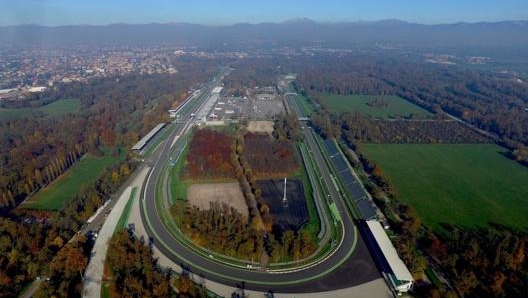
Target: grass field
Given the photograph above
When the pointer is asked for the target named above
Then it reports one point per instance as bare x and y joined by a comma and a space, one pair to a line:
395, 106
178, 188
54, 109
465, 185
64, 189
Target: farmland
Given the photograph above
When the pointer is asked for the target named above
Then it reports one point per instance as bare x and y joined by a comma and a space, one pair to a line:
64, 189
464, 185
54, 109
374, 106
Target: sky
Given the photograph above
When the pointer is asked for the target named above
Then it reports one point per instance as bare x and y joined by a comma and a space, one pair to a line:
227, 12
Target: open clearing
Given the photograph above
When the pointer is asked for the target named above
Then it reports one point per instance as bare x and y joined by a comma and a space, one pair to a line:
466, 185
54, 109
200, 195
260, 126
65, 188
395, 106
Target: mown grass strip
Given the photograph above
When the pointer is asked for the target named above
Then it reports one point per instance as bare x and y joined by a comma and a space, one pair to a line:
123, 220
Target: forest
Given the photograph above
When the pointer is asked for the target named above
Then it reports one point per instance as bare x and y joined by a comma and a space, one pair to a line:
226, 231
37, 149
35, 243
209, 156
354, 127
132, 272
486, 99
483, 262
268, 157
245, 156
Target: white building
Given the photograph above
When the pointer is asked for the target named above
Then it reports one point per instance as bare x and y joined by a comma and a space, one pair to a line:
398, 275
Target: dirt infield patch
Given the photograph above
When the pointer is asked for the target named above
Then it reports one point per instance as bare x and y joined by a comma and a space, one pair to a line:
260, 126
200, 195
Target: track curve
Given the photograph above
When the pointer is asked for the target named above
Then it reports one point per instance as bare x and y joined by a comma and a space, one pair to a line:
305, 279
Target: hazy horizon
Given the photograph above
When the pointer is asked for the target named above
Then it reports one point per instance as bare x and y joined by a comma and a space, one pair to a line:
300, 19
230, 12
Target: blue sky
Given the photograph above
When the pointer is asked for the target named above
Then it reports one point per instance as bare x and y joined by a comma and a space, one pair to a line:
226, 12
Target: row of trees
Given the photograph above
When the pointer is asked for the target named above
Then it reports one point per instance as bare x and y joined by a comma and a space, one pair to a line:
37, 148
486, 262
30, 239
355, 127
488, 100
114, 111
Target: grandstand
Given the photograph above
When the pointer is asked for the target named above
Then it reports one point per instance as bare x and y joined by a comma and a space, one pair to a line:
353, 186
386, 256
141, 144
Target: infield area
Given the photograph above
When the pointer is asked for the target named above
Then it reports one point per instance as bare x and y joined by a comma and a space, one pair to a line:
200, 195
290, 214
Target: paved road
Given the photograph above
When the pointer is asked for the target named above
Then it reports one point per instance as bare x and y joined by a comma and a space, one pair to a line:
31, 289
351, 255
94, 270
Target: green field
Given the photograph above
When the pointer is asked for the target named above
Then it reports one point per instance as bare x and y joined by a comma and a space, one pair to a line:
306, 106
395, 106
464, 185
66, 187
56, 108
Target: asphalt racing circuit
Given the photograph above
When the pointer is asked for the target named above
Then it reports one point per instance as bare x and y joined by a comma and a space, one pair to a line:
350, 263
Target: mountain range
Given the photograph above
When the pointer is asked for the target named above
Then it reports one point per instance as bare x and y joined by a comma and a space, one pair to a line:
296, 32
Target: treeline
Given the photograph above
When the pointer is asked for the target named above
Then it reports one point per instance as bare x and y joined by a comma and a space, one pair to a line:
209, 156
35, 152
355, 127
490, 101
224, 230
115, 111
251, 73
66, 271
269, 157
31, 239
486, 262
133, 272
